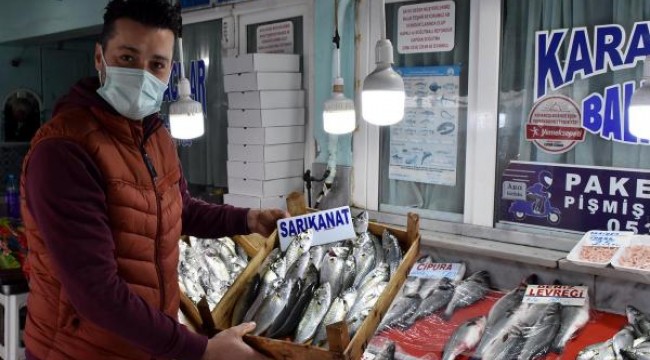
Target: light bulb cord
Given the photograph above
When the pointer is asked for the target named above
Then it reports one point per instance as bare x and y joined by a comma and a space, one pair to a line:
180, 56
382, 19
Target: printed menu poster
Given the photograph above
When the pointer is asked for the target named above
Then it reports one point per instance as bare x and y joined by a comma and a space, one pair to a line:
424, 145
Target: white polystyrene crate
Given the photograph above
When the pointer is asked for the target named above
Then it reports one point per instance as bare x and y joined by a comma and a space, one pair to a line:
643, 240
265, 171
262, 81
266, 136
618, 239
264, 188
266, 153
246, 63
256, 202
266, 117
266, 99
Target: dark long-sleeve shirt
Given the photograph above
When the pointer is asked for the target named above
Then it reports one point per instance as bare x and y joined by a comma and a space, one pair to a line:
65, 194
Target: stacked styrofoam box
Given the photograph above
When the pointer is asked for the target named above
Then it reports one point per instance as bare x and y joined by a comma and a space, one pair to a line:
266, 132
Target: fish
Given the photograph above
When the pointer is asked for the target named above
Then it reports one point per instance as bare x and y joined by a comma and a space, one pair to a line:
622, 340
280, 267
294, 294
425, 259
573, 318
392, 251
272, 306
468, 292
505, 347
503, 308
355, 321
337, 312
540, 336
599, 351
364, 260
366, 300
401, 310
500, 328
242, 253
270, 282
333, 267
272, 257
387, 353
349, 273
412, 286
360, 222
216, 266
316, 255
291, 321
247, 298
465, 338
639, 320
380, 257
314, 314
437, 300
298, 269
299, 245
377, 276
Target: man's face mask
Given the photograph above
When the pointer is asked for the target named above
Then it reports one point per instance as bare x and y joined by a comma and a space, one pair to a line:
134, 93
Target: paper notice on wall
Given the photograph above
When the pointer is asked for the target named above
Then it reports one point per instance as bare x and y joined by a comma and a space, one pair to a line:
275, 38
428, 27
424, 145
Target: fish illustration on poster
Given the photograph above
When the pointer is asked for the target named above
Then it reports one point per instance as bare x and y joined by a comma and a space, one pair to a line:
424, 145
575, 198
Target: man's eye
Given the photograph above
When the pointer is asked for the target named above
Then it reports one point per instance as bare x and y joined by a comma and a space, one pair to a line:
127, 58
158, 65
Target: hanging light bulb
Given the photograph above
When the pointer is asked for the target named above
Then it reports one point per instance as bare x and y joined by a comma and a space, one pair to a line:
186, 119
383, 97
639, 111
339, 116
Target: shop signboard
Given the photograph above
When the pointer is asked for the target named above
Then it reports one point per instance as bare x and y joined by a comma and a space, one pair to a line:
424, 145
328, 226
427, 27
575, 198
564, 56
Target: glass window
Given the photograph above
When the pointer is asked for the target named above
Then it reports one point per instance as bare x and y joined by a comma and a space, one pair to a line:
204, 159
567, 159
422, 158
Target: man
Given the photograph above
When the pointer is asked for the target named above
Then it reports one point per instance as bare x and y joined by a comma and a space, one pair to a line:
104, 203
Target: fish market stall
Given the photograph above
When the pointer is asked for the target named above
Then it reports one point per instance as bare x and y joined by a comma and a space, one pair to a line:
321, 302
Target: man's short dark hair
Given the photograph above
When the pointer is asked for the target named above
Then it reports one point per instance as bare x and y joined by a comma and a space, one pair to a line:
155, 13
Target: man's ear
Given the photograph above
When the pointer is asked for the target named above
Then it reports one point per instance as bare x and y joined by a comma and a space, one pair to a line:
98, 57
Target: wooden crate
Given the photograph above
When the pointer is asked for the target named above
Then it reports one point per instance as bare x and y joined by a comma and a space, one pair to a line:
341, 346
199, 316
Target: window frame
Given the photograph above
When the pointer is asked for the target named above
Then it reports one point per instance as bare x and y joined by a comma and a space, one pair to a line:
485, 36
261, 11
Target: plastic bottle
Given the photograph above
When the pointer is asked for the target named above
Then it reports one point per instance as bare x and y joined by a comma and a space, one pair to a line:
12, 197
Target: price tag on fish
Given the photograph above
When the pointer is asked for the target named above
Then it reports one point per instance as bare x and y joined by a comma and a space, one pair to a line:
607, 238
563, 294
431, 270
329, 226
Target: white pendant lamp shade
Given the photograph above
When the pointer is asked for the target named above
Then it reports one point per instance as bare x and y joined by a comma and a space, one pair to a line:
339, 116
639, 111
383, 97
185, 114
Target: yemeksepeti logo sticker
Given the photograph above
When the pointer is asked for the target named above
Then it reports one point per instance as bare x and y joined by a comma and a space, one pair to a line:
554, 124
609, 48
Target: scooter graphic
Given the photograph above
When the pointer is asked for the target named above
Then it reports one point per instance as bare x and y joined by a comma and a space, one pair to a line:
522, 208
537, 202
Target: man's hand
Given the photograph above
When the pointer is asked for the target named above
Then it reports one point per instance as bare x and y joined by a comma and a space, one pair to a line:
264, 221
229, 344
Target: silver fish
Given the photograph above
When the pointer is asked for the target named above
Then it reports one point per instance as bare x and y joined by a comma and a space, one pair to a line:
298, 246
349, 273
298, 269
377, 276
332, 269
336, 313
269, 283
540, 336
380, 257
280, 267
574, 318
242, 253
402, 309
228, 243
272, 307
367, 299
437, 300
360, 222
356, 320
295, 286
314, 314
622, 340
364, 263
387, 353
392, 251
639, 320
599, 351
247, 299
290, 323
464, 338
505, 347
498, 329
412, 286
316, 255
425, 259
468, 292
216, 266
272, 257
